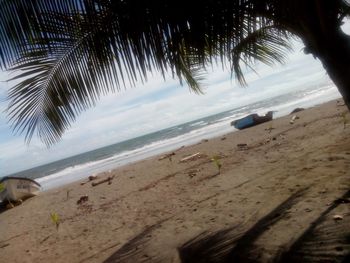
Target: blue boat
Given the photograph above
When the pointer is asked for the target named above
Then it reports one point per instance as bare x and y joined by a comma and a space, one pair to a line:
251, 120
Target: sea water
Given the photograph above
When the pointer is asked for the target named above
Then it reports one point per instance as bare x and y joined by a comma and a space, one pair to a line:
104, 159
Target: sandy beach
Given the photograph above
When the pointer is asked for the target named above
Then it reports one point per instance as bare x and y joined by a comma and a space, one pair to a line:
282, 194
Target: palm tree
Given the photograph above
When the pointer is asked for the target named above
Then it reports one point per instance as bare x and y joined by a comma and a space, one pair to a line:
71, 52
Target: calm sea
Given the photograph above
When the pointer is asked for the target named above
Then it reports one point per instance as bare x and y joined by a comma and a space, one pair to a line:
102, 160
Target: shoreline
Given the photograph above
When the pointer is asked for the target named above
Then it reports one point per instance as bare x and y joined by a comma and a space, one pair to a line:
152, 153
277, 180
135, 156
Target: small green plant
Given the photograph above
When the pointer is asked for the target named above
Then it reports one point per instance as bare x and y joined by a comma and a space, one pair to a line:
345, 120
2, 187
216, 161
270, 128
55, 219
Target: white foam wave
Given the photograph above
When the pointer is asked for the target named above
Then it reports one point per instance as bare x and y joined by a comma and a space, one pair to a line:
199, 123
208, 130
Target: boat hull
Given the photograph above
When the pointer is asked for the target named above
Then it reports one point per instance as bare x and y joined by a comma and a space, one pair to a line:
244, 123
17, 188
251, 120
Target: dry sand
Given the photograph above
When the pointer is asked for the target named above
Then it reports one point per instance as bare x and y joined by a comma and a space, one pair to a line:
275, 198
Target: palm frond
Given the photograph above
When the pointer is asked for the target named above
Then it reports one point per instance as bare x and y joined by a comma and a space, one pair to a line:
21, 22
60, 82
87, 48
267, 45
81, 63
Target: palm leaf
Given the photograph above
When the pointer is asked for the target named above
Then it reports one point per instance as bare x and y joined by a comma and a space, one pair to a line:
21, 22
70, 53
267, 45
81, 63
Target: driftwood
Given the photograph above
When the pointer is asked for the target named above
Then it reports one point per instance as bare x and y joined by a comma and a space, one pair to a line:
90, 178
108, 179
192, 157
295, 117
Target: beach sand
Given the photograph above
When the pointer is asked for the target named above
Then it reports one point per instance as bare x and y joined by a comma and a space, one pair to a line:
282, 193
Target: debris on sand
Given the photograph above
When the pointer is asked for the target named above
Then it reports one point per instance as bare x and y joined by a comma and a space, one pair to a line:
269, 129
192, 173
90, 178
338, 217
242, 146
169, 155
340, 103
83, 199
192, 157
295, 117
108, 179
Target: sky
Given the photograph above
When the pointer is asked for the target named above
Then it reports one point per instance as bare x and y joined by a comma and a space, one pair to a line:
152, 106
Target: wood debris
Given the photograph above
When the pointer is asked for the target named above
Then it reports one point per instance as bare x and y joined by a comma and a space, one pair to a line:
90, 178
192, 157
295, 117
108, 179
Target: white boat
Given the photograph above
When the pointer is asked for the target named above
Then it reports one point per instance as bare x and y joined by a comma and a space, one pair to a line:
18, 188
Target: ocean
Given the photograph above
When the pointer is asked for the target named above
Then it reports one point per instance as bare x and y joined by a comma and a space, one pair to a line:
81, 166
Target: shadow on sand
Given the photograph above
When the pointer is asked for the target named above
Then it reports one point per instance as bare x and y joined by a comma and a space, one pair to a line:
323, 241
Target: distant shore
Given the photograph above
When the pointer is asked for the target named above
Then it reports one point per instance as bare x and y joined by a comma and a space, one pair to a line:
268, 192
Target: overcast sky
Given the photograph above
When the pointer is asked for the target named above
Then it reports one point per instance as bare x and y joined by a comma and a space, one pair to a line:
155, 105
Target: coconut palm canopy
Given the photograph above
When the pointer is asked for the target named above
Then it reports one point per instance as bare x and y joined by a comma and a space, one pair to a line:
69, 53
